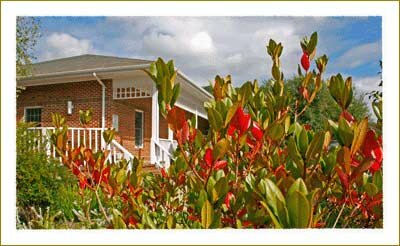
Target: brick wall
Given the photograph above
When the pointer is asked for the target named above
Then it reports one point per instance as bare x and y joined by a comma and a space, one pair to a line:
53, 98
88, 94
125, 109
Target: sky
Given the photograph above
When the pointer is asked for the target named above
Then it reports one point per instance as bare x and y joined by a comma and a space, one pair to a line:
203, 47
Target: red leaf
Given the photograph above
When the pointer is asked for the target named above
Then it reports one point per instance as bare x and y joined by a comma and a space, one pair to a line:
96, 176
247, 223
176, 118
304, 92
349, 117
372, 149
132, 221
106, 174
229, 196
182, 134
344, 179
241, 212
257, 132
208, 158
164, 173
240, 122
305, 62
307, 127
181, 178
220, 164
192, 136
193, 218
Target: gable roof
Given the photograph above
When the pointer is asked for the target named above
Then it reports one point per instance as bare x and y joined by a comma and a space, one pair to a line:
84, 65
82, 62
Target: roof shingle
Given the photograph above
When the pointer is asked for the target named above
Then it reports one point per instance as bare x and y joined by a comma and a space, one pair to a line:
82, 62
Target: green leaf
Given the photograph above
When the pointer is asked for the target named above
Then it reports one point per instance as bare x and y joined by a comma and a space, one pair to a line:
231, 112
295, 155
360, 131
220, 148
276, 74
299, 210
302, 141
283, 214
272, 194
175, 94
299, 186
378, 179
371, 189
312, 44
345, 132
271, 214
121, 176
117, 221
348, 92
214, 118
316, 146
206, 215
276, 131
221, 188
171, 223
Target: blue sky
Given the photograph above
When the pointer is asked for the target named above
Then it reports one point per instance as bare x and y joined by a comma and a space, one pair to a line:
203, 47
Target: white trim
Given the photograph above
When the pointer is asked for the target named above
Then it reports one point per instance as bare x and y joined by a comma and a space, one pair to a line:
142, 112
192, 83
129, 94
155, 124
180, 105
84, 72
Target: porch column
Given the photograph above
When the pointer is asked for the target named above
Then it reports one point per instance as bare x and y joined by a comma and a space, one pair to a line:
170, 134
155, 124
197, 118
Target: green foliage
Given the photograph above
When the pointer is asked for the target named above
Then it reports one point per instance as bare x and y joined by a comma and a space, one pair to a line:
27, 35
323, 106
259, 166
41, 181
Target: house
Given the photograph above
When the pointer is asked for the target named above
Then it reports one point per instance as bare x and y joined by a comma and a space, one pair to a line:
120, 95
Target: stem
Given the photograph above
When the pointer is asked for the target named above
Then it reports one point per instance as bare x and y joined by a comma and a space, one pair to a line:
187, 162
340, 213
237, 166
101, 207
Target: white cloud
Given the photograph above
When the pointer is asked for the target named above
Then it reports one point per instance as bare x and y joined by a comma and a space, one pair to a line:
367, 84
203, 47
360, 55
59, 45
202, 42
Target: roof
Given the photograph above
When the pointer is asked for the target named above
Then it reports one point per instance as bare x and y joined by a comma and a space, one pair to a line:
88, 64
82, 62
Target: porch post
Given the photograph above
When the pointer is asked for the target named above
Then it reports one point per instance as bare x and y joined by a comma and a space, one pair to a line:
197, 118
170, 134
155, 124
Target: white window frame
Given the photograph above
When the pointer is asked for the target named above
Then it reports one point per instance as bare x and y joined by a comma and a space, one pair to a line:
142, 112
32, 107
130, 92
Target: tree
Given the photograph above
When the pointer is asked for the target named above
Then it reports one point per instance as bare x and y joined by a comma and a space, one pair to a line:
323, 107
26, 38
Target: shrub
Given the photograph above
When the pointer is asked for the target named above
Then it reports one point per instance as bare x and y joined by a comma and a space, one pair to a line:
257, 167
41, 181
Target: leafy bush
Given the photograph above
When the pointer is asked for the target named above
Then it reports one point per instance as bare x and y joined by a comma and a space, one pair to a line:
257, 167
41, 181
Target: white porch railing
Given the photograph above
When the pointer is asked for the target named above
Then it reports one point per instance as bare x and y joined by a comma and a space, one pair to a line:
89, 137
164, 149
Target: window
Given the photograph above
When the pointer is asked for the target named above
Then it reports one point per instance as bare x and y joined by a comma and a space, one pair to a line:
139, 129
33, 115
